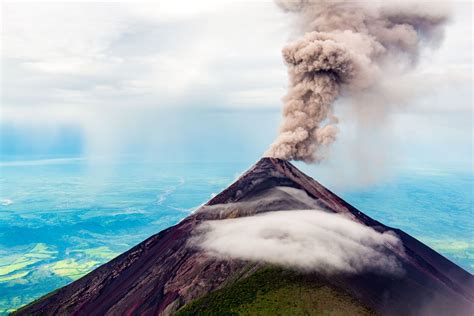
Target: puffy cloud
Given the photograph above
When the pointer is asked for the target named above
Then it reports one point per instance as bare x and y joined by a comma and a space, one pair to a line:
307, 239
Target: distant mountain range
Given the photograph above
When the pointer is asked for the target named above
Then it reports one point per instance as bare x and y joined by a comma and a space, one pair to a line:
164, 275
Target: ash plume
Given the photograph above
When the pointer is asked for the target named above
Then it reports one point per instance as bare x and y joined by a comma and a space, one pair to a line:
347, 48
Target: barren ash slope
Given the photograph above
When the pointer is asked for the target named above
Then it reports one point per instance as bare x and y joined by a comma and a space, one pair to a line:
164, 275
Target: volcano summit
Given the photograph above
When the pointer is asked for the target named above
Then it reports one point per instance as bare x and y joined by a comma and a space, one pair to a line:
214, 261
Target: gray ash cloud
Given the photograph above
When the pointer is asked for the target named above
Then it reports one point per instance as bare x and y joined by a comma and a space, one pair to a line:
346, 48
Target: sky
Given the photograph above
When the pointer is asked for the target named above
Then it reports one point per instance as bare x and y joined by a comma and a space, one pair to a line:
202, 81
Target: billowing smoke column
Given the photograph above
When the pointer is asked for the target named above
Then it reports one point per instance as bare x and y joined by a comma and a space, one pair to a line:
347, 47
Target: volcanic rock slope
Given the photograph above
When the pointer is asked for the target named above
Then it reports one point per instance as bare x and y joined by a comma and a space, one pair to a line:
163, 273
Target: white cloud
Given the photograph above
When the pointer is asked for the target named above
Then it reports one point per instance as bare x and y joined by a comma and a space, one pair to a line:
310, 240
166, 51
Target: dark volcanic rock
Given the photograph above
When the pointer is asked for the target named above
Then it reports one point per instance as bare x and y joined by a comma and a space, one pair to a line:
162, 273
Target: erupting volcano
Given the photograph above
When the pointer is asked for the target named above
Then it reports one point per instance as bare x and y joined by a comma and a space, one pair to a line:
276, 241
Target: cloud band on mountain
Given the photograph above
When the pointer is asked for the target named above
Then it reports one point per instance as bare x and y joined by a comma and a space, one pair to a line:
310, 240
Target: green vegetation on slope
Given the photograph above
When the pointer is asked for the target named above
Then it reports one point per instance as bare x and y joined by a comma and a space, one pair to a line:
274, 291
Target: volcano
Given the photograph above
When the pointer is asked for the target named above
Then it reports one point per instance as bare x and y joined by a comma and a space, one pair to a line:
163, 275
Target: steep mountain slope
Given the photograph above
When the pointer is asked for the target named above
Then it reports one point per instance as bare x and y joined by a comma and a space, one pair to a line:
163, 273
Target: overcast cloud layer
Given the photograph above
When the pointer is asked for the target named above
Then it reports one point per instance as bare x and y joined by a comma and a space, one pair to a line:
142, 54
116, 70
310, 240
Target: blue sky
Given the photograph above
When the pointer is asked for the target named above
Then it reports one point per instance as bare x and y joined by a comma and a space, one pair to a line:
182, 81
